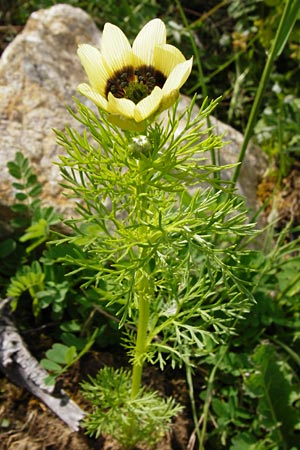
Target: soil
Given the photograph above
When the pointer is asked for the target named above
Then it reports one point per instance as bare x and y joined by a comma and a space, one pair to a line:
27, 424
281, 201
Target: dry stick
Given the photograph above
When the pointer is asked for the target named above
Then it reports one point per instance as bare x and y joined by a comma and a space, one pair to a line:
17, 363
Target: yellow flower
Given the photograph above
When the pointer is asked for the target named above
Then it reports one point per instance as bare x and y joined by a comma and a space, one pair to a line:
133, 83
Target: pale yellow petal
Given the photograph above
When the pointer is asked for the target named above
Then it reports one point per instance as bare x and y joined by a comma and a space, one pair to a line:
92, 63
122, 106
152, 34
94, 96
169, 100
178, 77
166, 57
126, 124
115, 48
149, 105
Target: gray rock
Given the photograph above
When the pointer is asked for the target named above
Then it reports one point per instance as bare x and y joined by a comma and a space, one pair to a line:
39, 74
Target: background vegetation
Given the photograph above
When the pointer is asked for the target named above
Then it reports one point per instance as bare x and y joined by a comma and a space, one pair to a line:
249, 396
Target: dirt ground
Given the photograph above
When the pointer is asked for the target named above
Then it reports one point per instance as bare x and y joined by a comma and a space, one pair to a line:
281, 201
27, 424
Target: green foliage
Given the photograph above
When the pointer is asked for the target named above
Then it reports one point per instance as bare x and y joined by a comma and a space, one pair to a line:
132, 14
254, 403
154, 228
29, 278
28, 190
201, 271
7, 260
256, 393
142, 419
271, 384
32, 271
33, 227
278, 129
61, 357
168, 263
37, 221
27, 208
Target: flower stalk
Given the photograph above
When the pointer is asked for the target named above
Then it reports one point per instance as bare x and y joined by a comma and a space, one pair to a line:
143, 298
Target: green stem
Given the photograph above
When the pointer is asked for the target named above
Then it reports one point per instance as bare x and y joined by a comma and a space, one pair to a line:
143, 291
289, 16
141, 343
209, 394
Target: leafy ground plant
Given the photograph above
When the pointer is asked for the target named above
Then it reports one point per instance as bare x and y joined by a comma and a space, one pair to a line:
32, 275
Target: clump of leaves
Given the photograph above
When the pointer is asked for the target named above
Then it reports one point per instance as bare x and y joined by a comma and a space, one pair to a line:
143, 418
272, 383
30, 214
34, 275
253, 383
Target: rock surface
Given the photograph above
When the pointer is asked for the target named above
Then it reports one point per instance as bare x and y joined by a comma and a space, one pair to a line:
39, 74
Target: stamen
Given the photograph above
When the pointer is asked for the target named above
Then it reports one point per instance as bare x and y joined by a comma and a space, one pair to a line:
134, 84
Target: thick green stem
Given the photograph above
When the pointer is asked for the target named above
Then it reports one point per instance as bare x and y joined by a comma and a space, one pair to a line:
141, 343
143, 291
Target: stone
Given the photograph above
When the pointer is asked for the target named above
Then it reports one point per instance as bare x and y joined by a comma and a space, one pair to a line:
253, 166
39, 75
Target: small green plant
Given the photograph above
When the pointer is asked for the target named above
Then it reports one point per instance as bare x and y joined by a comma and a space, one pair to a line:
31, 226
253, 384
28, 190
168, 262
278, 129
29, 213
142, 418
61, 357
31, 270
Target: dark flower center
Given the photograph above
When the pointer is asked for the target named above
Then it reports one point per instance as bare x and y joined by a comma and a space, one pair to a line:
134, 84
